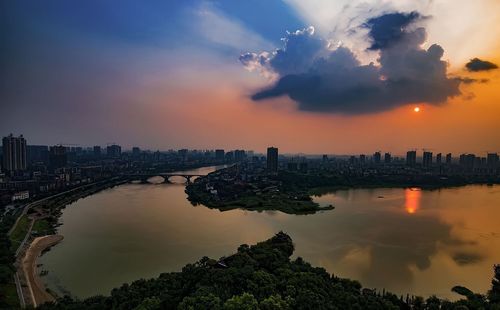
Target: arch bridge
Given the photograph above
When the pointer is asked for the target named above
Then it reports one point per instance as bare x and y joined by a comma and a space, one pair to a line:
143, 177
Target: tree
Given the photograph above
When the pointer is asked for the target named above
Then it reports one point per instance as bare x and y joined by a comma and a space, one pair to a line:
494, 293
242, 302
274, 302
152, 303
209, 302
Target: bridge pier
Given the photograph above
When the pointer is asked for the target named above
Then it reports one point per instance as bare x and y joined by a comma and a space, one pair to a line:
143, 178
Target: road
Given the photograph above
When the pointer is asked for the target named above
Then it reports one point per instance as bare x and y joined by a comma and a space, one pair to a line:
19, 252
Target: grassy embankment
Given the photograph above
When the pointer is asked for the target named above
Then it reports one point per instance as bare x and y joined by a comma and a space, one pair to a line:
19, 233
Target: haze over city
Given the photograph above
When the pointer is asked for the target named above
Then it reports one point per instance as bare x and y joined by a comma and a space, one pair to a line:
171, 75
257, 154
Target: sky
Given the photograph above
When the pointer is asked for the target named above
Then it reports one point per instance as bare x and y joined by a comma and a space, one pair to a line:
316, 76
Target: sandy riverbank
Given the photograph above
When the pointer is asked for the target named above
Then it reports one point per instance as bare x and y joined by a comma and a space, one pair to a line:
37, 290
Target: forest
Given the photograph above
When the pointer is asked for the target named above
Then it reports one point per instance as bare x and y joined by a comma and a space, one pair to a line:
263, 276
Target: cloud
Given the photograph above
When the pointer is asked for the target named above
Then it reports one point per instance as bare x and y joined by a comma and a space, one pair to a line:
389, 28
216, 27
477, 64
451, 22
463, 259
302, 48
322, 77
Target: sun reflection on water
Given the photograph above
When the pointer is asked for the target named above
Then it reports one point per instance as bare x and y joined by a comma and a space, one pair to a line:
412, 200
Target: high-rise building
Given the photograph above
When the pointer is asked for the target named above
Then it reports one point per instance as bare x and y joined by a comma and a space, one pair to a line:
362, 158
439, 158
467, 161
492, 160
97, 151
219, 155
325, 158
114, 151
411, 158
303, 167
182, 153
377, 157
239, 155
352, 160
387, 158
136, 152
58, 157
448, 159
427, 159
77, 150
37, 153
272, 159
14, 153
229, 156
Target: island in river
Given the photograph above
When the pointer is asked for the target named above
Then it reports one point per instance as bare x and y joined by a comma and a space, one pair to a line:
231, 188
250, 188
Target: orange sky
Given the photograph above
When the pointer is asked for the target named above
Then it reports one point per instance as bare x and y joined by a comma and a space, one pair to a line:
222, 115
91, 88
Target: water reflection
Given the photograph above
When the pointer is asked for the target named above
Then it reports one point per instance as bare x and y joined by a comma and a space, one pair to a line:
412, 199
377, 243
421, 242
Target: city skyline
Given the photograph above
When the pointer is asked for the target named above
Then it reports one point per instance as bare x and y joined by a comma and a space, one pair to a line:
177, 75
370, 153
259, 154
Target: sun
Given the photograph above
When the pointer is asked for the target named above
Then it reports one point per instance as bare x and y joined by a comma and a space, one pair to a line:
416, 109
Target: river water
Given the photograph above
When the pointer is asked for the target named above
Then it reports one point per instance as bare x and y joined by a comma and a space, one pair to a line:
403, 240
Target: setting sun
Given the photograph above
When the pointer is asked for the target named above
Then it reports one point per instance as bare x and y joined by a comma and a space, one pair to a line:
360, 135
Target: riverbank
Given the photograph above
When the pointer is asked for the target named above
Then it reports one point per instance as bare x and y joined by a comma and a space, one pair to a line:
272, 280
34, 283
291, 192
372, 229
42, 217
271, 201
231, 188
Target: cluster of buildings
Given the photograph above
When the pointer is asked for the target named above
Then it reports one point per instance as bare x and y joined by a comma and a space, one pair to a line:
37, 170
252, 177
413, 163
429, 162
29, 170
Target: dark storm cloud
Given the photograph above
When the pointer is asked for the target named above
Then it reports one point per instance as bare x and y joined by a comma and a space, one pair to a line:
389, 28
477, 64
463, 258
323, 79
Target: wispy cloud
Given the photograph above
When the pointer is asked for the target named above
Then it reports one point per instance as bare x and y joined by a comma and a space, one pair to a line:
220, 29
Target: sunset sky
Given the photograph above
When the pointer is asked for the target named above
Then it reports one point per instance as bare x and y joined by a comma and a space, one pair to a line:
315, 76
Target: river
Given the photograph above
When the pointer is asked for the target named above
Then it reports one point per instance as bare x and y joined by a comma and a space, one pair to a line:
403, 240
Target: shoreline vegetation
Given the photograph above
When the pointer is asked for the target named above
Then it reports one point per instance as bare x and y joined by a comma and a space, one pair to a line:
302, 205
263, 276
291, 192
40, 219
218, 191
34, 233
